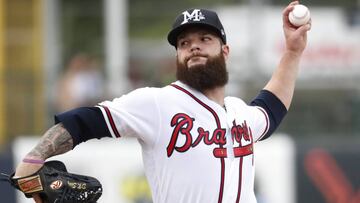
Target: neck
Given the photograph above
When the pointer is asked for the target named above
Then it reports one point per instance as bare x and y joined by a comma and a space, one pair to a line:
216, 94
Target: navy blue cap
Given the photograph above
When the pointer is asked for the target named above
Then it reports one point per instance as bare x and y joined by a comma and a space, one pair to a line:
201, 17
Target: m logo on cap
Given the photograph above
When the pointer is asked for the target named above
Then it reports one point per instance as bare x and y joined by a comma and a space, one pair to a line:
196, 15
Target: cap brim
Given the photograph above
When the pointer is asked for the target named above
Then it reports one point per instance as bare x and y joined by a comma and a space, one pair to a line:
173, 34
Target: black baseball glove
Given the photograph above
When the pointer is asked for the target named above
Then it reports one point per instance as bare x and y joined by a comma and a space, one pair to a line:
55, 185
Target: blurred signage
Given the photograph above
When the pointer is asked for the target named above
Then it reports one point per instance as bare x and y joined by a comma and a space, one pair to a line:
328, 170
329, 178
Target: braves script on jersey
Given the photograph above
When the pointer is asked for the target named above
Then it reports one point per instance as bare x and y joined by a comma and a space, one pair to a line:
194, 150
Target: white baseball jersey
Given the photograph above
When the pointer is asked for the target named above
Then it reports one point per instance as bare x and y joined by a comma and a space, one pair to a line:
194, 150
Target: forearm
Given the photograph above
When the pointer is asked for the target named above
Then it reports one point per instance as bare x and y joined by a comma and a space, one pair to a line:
56, 140
282, 82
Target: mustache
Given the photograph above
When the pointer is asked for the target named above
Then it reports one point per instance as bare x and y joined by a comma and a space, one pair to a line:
195, 55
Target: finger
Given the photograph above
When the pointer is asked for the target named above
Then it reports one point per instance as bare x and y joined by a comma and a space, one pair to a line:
286, 12
304, 28
37, 198
293, 3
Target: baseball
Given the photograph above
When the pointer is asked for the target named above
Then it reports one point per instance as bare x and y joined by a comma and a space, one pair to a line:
300, 15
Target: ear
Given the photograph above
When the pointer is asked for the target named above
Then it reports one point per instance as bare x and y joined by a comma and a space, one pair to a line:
225, 50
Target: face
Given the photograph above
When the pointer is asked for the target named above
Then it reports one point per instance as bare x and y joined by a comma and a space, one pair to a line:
201, 59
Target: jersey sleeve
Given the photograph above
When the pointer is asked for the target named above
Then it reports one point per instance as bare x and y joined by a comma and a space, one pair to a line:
83, 124
260, 122
133, 115
272, 107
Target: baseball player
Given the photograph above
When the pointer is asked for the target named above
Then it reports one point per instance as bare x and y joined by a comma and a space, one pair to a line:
197, 144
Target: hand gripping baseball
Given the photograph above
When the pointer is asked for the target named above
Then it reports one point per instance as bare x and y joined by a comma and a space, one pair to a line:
295, 36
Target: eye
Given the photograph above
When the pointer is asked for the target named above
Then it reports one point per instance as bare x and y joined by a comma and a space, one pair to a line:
183, 43
206, 38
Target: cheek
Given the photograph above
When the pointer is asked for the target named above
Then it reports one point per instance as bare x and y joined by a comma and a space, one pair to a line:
180, 58
214, 50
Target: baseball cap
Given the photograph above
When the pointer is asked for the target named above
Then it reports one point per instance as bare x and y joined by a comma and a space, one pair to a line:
201, 17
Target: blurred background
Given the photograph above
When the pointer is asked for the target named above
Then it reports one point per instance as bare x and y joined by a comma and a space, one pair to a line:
56, 55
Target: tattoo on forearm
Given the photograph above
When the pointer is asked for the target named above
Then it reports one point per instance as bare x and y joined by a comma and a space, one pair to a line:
56, 140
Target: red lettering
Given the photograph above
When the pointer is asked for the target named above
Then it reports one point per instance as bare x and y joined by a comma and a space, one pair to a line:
245, 128
183, 125
219, 136
202, 135
241, 131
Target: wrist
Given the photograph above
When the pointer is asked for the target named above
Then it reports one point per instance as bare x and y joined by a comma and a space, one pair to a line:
293, 53
26, 169
33, 158
33, 161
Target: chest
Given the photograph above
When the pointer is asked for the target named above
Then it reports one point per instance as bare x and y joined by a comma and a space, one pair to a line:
202, 130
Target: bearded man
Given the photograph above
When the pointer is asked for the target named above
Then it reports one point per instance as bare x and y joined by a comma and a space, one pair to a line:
197, 143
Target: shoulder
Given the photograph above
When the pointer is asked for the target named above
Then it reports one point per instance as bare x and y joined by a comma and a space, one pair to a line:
238, 106
140, 93
144, 91
234, 101
140, 96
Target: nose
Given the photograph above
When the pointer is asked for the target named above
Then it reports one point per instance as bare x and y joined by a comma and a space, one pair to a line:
194, 46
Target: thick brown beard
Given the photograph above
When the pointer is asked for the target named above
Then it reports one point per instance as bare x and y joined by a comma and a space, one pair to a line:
204, 77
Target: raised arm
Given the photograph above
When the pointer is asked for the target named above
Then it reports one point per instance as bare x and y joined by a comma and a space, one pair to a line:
282, 82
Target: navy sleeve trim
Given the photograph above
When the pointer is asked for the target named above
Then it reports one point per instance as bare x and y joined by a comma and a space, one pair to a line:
84, 123
275, 109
